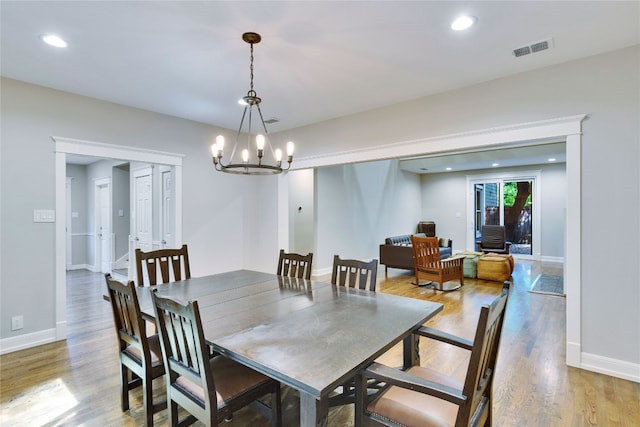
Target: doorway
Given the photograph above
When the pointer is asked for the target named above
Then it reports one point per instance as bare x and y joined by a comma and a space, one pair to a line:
510, 200
510, 203
65, 146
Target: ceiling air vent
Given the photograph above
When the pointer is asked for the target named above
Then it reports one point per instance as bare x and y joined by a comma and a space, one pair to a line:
533, 48
521, 51
271, 121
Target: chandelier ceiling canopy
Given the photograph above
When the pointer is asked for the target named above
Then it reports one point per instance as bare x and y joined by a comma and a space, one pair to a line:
247, 164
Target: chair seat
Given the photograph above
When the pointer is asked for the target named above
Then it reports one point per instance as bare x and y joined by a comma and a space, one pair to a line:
231, 380
411, 408
154, 347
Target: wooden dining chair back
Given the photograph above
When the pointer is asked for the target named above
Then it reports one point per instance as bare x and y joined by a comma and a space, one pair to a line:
139, 354
162, 265
428, 265
295, 265
354, 273
210, 389
421, 396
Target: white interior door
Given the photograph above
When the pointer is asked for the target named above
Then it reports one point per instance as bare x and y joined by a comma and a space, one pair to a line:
143, 197
103, 224
167, 219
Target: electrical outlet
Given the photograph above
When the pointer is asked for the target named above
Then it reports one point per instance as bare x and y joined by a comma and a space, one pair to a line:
17, 322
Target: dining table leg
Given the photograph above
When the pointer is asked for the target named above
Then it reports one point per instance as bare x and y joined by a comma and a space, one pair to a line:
313, 412
411, 351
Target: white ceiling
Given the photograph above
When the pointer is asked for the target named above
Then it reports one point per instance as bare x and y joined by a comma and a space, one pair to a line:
317, 60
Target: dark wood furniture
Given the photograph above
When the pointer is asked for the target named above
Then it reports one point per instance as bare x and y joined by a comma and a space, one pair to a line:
493, 240
429, 266
139, 354
354, 273
162, 265
210, 390
421, 396
295, 265
297, 334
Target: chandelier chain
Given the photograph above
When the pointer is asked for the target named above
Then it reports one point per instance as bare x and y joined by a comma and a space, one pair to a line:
251, 70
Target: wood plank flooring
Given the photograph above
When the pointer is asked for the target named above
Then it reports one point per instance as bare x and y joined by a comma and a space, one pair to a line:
75, 382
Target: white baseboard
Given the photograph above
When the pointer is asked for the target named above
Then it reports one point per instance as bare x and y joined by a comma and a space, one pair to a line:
83, 267
612, 367
552, 258
322, 271
573, 354
20, 342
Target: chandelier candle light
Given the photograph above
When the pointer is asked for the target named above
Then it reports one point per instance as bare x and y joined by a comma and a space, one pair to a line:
246, 167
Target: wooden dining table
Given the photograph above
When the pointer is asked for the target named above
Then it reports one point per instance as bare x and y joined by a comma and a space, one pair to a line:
309, 335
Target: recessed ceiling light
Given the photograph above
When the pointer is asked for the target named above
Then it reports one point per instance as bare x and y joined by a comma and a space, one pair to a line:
53, 40
463, 22
551, 159
448, 169
495, 164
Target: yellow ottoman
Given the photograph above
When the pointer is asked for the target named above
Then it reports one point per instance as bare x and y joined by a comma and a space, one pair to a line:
496, 267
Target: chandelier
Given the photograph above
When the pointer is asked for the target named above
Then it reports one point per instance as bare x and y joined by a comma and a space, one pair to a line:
249, 165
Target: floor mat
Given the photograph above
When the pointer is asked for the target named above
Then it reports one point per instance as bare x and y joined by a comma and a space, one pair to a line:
548, 284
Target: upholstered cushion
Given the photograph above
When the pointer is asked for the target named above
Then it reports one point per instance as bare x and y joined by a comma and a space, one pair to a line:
154, 347
493, 237
495, 267
230, 378
411, 408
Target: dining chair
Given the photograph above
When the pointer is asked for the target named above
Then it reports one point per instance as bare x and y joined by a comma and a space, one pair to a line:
354, 273
209, 389
429, 266
421, 396
140, 355
295, 265
171, 264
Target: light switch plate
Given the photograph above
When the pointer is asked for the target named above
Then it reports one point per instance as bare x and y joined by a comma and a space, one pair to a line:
44, 215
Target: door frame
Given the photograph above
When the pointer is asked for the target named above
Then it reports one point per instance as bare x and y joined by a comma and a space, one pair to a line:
567, 129
64, 146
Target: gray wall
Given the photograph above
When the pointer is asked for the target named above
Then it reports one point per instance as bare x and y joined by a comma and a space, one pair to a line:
216, 207
607, 88
359, 205
120, 203
444, 196
79, 225
231, 223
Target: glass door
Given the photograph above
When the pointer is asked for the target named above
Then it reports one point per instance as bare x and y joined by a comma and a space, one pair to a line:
508, 203
518, 211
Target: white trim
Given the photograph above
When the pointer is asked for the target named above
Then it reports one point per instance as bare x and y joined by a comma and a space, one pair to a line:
530, 133
552, 259
64, 146
20, 342
83, 267
613, 367
573, 248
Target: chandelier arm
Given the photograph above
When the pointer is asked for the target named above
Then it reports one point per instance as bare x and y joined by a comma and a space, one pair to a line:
235, 145
266, 133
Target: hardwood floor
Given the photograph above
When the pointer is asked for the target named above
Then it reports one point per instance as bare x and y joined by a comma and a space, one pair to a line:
75, 382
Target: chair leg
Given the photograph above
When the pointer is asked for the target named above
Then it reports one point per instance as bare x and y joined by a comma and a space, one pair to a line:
147, 399
124, 388
173, 413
